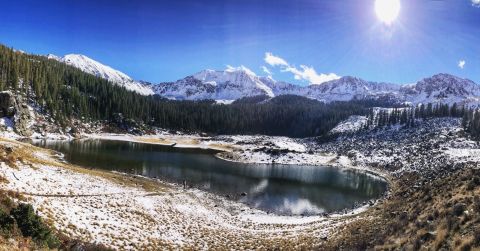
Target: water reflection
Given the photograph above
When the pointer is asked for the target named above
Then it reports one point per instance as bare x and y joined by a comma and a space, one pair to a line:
282, 189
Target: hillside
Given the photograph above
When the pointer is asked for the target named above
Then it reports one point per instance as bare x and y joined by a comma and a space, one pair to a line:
57, 93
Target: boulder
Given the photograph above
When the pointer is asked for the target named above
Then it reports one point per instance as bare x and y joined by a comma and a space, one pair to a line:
7, 104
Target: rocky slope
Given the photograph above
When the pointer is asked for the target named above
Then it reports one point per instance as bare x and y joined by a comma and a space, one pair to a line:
434, 202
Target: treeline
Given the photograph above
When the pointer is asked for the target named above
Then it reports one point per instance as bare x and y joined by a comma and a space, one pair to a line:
66, 92
409, 115
471, 123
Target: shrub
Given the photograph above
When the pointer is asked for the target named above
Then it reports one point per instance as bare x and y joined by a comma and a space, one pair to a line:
476, 237
6, 222
31, 225
476, 203
458, 209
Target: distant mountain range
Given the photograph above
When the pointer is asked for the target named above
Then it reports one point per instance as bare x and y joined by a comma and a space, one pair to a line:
235, 83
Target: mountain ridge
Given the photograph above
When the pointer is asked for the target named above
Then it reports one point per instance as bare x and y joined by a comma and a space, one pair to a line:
98, 69
235, 83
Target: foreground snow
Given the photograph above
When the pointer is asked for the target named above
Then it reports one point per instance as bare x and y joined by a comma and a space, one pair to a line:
123, 214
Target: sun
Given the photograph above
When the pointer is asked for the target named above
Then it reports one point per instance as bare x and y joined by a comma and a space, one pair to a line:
387, 10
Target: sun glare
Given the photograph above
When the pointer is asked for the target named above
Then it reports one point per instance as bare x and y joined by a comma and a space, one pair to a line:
387, 10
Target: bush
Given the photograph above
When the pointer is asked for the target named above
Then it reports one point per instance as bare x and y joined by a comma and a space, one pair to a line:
31, 225
458, 209
6, 222
476, 203
476, 237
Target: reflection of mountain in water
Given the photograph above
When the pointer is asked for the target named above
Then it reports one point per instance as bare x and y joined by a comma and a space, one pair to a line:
283, 189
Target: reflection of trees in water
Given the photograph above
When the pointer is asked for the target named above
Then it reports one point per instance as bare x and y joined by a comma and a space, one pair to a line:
284, 189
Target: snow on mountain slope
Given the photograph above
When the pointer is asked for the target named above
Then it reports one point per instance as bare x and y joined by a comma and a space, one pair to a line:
230, 84
235, 83
239, 82
91, 66
348, 88
443, 88
283, 88
353, 124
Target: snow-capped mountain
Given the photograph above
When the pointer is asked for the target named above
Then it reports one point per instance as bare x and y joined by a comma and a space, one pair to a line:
238, 82
348, 88
442, 88
230, 84
235, 83
91, 66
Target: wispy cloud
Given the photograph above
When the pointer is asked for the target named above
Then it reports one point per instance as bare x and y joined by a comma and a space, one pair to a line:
240, 68
267, 71
476, 3
306, 73
274, 60
461, 63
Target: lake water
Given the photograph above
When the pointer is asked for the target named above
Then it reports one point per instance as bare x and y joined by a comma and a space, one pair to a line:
280, 189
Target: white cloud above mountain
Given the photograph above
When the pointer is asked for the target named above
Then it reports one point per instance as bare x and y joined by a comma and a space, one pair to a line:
274, 60
476, 3
267, 71
240, 68
461, 63
304, 73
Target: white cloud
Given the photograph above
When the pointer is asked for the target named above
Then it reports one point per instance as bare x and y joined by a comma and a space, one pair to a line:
476, 3
462, 63
306, 73
267, 71
309, 74
274, 60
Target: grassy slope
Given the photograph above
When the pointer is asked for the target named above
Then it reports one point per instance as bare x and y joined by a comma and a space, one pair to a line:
443, 214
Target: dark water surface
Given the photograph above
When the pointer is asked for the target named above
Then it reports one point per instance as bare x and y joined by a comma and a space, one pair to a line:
281, 189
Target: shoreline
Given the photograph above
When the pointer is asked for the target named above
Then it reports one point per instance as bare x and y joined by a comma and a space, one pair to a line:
348, 167
364, 169
58, 189
170, 217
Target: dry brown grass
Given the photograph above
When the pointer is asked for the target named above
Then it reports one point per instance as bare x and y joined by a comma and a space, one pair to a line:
418, 218
155, 141
24, 153
442, 234
193, 142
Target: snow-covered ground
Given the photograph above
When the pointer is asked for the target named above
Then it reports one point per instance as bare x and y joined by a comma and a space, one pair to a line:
352, 124
122, 213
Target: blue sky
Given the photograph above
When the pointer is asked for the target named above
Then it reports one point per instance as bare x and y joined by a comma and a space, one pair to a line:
168, 40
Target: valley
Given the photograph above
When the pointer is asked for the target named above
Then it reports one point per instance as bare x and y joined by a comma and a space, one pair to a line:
271, 125
341, 165
83, 202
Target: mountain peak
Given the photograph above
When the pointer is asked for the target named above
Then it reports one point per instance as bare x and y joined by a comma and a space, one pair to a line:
443, 79
240, 69
239, 82
55, 57
98, 69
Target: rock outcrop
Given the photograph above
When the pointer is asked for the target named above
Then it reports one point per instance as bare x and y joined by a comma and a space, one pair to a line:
7, 104
14, 108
